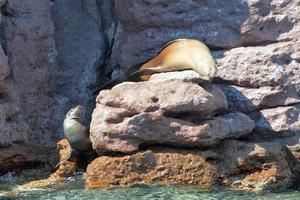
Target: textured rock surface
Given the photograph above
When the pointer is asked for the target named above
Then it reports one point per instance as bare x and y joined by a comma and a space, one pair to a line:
23, 156
30, 47
170, 112
256, 166
171, 96
56, 53
154, 128
67, 168
48, 71
234, 164
13, 128
144, 26
280, 121
271, 65
81, 45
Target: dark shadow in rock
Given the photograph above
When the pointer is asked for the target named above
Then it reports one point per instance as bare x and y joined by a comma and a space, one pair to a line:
238, 102
83, 46
263, 131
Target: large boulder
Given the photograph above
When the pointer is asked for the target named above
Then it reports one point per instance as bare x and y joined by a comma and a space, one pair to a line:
154, 128
171, 111
169, 95
247, 166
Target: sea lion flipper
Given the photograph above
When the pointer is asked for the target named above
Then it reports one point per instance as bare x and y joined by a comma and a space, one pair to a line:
146, 71
67, 158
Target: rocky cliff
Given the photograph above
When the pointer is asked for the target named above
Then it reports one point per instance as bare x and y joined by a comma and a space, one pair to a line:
56, 53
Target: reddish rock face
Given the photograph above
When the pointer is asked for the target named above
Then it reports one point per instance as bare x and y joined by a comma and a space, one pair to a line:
67, 168
166, 166
261, 166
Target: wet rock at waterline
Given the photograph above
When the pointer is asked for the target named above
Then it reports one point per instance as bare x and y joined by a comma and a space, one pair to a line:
247, 166
16, 157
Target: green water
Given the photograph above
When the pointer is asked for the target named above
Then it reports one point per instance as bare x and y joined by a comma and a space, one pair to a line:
152, 192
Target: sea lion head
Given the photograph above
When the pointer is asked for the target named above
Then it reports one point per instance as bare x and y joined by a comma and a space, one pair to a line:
75, 112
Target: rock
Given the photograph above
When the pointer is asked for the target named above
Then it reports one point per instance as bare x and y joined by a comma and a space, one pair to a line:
154, 128
295, 150
35, 185
254, 67
186, 76
264, 78
13, 128
167, 166
25, 155
2, 2
242, 99
185, 97
278, 122
145, 26
56, 51
81, 45
256, 166
55, 54
33, 181
261, 166
161, 114
30, 46
67, 168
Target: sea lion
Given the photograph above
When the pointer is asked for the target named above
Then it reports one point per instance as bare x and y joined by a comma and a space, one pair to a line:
176, 55
76, 133
181, 54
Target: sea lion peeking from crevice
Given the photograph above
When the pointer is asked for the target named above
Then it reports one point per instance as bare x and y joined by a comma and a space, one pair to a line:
76, 134
177, 55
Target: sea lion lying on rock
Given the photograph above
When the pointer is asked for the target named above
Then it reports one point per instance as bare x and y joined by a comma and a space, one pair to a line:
177, 55
76, 134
